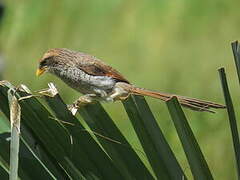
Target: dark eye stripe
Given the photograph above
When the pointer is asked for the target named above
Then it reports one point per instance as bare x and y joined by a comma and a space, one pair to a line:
43, 63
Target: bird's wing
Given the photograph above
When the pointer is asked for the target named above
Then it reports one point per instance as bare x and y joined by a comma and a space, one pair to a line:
93, 66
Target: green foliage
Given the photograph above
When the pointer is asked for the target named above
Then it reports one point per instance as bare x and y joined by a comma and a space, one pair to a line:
71, 151
193, 152
157, 150
172, 46
54, 144
229, 104
232, 117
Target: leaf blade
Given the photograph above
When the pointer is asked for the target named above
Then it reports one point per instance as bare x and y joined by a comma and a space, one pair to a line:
197, 162
15, 116
122, 153
159, 154
231, 117
236, 55
85, 141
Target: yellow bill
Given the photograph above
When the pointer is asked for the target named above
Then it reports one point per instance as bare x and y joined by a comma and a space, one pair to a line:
39, 72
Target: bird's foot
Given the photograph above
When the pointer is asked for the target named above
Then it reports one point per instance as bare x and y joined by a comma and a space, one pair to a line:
80, 102
123, 98
72, 108
51, 91
119, 92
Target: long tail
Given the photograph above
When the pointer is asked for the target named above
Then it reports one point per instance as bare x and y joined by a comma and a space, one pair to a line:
192, 103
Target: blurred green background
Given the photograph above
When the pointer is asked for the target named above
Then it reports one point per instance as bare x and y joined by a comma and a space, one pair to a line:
171, 46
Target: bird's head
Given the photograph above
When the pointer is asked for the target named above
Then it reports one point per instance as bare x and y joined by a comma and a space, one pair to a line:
54, 58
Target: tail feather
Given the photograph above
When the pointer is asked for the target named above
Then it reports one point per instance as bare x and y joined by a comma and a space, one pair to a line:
203, 102
192, 103
195, 107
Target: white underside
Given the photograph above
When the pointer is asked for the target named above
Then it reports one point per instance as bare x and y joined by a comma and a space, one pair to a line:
94, 87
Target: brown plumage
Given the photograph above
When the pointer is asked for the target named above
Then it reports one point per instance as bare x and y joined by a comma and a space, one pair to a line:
99, 81
88, 63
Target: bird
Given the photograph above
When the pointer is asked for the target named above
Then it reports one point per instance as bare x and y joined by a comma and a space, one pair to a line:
98, 81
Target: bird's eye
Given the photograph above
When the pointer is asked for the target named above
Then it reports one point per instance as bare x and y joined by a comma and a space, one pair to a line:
44, 62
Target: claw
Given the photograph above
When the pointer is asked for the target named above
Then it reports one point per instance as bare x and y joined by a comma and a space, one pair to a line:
82, 101
72, 109
51, 91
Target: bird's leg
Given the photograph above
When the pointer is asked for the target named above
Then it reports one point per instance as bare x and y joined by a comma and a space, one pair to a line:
119, 93
82, 101
85, 99
100, 93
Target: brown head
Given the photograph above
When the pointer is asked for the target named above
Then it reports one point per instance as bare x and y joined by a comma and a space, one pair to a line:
55, 57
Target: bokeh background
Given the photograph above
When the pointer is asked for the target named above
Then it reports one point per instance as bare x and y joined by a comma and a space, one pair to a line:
171, 46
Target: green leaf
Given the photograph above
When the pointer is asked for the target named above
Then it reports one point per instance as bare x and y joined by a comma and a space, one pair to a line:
236, 54
32, 141
231, 117
50, 133
196, 160
56, 139
160, 156
4, 124
3, 173
29, 165
83, 140
15, 116
120, 151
